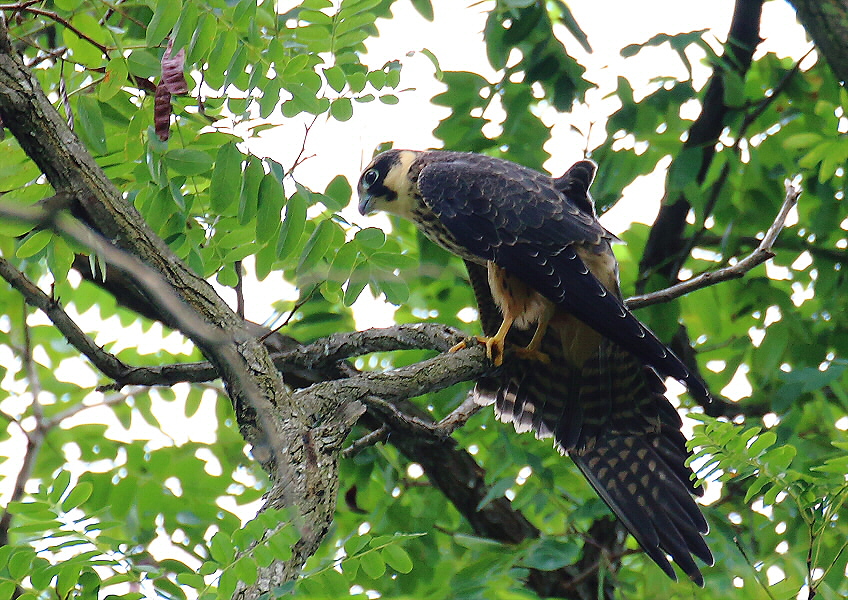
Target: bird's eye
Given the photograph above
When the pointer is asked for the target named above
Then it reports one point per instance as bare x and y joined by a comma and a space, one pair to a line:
370, 178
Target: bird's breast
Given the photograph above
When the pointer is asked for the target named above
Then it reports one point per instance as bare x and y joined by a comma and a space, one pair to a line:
430, 225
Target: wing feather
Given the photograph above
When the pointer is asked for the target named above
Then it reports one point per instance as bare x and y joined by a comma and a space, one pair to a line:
515, 217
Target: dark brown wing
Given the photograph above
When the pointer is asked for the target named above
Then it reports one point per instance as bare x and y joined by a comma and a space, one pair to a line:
515, 217
610, 415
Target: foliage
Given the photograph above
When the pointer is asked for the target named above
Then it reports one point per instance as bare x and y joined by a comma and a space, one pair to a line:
148, 492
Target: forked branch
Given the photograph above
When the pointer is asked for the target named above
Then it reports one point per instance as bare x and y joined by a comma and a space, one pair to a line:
761, 254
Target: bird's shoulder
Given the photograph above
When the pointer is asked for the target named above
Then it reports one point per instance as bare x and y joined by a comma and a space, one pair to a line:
507, 195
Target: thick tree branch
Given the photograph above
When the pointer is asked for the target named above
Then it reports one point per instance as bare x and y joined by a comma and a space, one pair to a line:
827, 23
312, 431
665, 241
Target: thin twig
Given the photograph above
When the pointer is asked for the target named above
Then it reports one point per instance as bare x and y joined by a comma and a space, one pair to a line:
300, 158
65, 23
34, 438
761, 254
381, 434
459, 416
757, 575
297, 306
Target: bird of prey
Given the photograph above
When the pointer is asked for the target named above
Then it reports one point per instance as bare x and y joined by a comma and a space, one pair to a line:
587, 372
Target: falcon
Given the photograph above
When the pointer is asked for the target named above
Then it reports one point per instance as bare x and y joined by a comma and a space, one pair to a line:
575, 364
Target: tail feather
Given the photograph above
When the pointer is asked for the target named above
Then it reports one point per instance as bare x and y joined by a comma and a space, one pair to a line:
622, 434
610, 415
645, 495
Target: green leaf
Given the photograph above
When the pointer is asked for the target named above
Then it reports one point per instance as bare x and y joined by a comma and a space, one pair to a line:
424, 8
356, 82
68, 577
208, 567
249, 198
34, 243
371, 237
373, 564
395, 288
433, 59
335, 77
7, 588
202, 39
271, 197
186, 26
90, 121
245, 569
20, 562
192, 580
549, 554
574, 29
496, 491
358, 280
754, 489
316, 246
227, 584
114, 80
60, 257
81, 492
164, 18
60, 484
339, 190
187, 161
763, 441
397, 558
293, 226
144, 64
778, 459
341, 109
221, 549
226, 178
833, 465
802, 140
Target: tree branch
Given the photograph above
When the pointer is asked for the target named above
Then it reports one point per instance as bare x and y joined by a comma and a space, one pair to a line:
314, 430
761, 254
665, 241
34, 438
826, 21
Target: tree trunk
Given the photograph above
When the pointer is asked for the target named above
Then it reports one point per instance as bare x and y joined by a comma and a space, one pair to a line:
826, 21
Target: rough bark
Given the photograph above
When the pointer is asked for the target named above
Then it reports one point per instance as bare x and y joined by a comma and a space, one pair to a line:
826, 21
305, 475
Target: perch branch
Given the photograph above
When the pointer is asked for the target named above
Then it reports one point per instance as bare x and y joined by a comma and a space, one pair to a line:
220, 344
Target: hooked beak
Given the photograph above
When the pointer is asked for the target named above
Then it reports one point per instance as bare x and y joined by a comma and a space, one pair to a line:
366, 202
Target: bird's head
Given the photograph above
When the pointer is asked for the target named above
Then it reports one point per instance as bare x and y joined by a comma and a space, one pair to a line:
385, 183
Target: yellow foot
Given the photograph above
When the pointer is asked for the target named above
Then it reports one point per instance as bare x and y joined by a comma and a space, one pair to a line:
460, 346
533, 354
494, 348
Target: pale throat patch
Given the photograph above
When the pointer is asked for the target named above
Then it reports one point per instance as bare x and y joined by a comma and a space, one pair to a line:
398, 181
